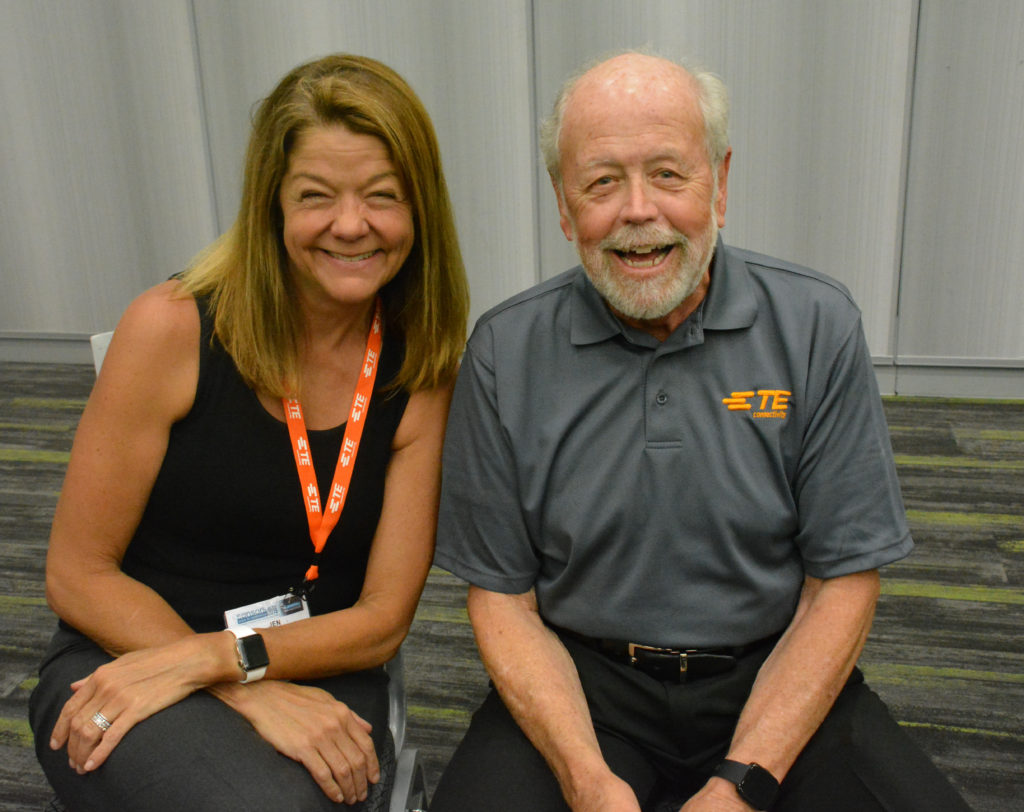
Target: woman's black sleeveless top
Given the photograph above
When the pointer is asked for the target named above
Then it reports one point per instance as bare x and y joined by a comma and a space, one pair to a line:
226, 525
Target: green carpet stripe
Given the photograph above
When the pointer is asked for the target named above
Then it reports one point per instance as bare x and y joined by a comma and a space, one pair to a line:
992, 435
978, 594
49, 428
15, 603
34, 455
899, 428
442, 614
965, 520
970, 731
898, 673
16, 730
438, 574
19, 494
1016, 546
998, 435
433, 714
910, 460
12, 651
54, 404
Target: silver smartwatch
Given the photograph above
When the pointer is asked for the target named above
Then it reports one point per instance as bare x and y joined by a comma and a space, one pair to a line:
252, 653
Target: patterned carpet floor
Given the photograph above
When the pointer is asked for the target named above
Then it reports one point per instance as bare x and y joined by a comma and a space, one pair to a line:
946, 651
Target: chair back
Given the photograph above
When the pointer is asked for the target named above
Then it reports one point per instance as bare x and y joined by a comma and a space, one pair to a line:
99, 343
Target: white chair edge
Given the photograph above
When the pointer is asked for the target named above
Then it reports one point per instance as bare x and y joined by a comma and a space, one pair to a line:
99, 343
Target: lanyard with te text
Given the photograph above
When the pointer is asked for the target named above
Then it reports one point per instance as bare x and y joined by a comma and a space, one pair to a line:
323, 518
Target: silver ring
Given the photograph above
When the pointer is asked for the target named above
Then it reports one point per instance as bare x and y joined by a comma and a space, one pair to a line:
101, 721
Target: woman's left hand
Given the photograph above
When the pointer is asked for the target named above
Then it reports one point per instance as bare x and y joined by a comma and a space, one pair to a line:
109, 702
310, 726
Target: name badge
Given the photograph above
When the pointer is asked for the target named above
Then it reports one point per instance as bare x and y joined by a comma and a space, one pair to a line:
271, 612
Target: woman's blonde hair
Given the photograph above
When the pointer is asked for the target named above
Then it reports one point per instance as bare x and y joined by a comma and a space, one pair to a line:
256, 316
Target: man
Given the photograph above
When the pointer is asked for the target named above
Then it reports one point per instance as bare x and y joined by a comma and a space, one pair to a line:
669, 484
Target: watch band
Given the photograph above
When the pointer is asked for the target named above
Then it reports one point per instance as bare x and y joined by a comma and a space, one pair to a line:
754, 783
252, 653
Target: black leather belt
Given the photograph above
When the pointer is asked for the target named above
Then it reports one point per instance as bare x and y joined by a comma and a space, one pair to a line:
670, 664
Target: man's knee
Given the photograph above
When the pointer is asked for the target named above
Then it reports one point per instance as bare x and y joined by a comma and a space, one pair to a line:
861, 760
496, 767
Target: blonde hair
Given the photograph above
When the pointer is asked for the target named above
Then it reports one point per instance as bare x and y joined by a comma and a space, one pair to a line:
256, 316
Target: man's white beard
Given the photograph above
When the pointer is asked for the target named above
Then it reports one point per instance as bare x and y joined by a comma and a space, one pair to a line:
653, 298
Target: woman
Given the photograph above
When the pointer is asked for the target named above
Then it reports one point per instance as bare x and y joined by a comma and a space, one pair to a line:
220, 443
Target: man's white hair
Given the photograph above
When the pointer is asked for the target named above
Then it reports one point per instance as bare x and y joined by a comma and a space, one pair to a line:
712, 96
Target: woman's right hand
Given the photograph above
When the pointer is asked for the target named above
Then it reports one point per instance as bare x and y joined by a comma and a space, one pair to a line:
310, 726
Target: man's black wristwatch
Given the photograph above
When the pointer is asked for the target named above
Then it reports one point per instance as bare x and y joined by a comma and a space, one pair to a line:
754, 783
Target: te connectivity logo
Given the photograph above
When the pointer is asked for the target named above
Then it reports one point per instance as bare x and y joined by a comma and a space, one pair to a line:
764, 403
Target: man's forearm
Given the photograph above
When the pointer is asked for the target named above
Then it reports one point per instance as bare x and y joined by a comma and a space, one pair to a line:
538, 682
799, 682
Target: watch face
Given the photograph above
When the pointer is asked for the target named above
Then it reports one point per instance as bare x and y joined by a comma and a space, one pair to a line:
253, 652
758, 787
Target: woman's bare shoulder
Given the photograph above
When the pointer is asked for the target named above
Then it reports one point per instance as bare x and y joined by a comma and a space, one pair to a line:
155, 347
165, 312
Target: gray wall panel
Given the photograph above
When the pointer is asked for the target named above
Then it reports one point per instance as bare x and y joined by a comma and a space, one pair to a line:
103, 169
962, 288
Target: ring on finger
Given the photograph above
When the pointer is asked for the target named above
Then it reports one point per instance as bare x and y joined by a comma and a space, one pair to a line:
101, 721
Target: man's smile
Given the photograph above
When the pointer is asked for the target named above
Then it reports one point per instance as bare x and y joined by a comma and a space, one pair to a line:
645, 256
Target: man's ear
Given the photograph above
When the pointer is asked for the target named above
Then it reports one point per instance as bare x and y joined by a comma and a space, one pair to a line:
564, 220
723, 187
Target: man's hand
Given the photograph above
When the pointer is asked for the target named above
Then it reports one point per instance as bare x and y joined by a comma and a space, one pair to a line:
310, 726
717, 795
610, 795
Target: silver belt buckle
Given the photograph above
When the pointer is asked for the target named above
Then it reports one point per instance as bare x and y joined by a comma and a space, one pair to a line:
633, 648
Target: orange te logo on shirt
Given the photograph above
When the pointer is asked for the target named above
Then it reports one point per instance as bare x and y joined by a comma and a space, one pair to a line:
771, 403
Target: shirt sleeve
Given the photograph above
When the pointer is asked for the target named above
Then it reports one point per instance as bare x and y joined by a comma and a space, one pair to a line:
851, 510
482, 536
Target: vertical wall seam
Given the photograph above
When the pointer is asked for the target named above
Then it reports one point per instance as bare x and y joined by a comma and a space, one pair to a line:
204, 120
914, 45
531, 51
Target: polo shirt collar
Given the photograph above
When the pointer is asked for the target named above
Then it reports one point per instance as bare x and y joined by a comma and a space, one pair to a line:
591, 321
729, 305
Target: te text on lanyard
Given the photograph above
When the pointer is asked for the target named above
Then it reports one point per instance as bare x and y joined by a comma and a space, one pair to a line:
323, 516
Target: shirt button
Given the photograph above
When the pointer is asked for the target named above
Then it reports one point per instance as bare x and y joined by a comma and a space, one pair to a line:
662, 398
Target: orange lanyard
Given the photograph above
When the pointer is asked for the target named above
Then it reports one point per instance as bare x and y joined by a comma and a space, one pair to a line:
322, 521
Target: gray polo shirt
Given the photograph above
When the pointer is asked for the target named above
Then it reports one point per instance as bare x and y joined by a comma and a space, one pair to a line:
673, 493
